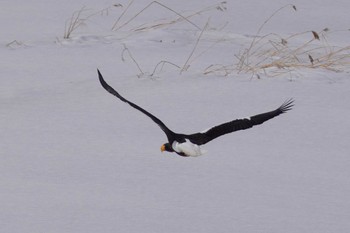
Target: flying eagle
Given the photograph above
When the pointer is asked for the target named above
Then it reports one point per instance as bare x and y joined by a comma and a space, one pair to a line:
189, 144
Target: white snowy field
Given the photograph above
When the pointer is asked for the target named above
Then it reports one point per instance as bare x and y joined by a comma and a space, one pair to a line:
75, 159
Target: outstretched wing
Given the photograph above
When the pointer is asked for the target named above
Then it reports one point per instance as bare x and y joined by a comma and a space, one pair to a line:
240, 124
108, 88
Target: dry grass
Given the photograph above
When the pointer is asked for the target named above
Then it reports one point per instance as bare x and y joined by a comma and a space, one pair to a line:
80, 17
75, 21
273, 55
162, 63
187, 63
165, 23
269, 54
126, 50
272, 51
116, 25
179, 17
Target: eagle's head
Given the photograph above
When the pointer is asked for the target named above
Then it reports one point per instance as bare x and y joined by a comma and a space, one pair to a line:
166, 147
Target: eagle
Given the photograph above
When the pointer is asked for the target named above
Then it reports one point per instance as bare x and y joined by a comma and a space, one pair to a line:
188, 145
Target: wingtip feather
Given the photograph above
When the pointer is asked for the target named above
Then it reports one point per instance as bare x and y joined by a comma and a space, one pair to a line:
287, 105
100, 77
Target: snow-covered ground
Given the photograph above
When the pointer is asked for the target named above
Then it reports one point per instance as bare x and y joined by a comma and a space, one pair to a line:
74, 159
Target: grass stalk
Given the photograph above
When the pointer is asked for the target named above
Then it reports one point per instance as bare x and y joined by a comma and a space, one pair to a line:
186, 65
115, 27
126, 50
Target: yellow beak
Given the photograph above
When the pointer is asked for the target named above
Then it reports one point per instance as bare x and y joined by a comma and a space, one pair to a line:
162, 148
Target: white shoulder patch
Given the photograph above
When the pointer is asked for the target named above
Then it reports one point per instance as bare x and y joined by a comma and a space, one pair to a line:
206, 130
188, 148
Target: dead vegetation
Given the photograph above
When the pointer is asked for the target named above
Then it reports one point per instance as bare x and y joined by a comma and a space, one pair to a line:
270, 54
273, 55
80, 17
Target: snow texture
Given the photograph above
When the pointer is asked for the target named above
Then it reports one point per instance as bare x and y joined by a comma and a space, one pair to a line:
74, 159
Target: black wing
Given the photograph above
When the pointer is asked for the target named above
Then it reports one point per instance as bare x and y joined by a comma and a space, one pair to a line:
240, 124
108, 88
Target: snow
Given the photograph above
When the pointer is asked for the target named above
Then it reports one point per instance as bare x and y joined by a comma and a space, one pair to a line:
76, 159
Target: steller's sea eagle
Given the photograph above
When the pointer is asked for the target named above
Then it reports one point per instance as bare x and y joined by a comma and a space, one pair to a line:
189, 144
